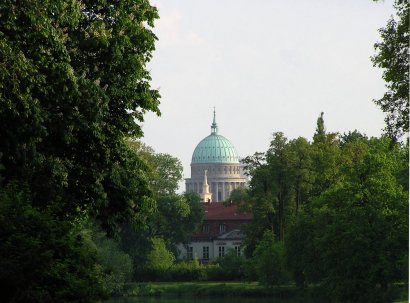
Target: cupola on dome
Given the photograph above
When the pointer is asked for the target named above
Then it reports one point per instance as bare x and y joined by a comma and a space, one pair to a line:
215, 149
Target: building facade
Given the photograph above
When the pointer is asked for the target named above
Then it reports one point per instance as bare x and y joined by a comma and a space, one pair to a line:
220, 232
215, 163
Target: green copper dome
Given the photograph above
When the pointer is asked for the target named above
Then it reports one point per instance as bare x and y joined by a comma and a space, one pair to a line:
215, 149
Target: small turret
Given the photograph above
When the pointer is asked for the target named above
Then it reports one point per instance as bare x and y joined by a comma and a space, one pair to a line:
206, 196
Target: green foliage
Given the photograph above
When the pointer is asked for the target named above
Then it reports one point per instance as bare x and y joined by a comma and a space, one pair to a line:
190, 270
160, 258
73, 88
174, 219
279, 187
177, 218
269, 261
43, 259
164, 170
325, 157
230, 291
239, 196
351, 137
320, 129
231, 267
116, 265
353, 237
393, 57
339, 205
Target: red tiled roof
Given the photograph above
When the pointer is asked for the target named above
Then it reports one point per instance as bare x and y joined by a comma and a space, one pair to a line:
219, 211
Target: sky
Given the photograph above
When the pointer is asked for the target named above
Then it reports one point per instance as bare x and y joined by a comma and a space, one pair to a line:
266, 66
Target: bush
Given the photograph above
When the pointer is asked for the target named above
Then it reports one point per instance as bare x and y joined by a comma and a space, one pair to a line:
187, 271
230, 267
116, 264
158, 263
269, 261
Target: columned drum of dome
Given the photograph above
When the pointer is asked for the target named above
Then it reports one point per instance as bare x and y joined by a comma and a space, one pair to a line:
218, 156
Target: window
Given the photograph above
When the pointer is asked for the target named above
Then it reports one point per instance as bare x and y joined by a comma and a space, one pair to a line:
205, 228
205, 252
190, 254
237, 250
221, 251
222, 228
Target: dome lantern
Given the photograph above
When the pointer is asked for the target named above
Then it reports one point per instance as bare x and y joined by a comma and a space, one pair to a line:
214, 126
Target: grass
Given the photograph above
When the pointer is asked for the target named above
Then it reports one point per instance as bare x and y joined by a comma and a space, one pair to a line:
220, 289
235, 289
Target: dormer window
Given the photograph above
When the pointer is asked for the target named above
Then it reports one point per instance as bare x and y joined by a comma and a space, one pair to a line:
205, 228
222, 228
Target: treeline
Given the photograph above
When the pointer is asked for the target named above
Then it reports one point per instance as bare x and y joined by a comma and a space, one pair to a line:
332, 212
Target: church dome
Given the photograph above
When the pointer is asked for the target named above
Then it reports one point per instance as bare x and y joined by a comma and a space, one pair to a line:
215, 149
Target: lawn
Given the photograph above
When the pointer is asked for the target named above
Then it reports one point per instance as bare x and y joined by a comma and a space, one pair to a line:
243, 289
234, 289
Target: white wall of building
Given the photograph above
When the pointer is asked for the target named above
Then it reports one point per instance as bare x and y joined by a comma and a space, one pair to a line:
198, 248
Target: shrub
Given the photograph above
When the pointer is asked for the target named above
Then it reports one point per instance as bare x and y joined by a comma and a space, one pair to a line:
231, 267
158, 264
269, 261
187, 271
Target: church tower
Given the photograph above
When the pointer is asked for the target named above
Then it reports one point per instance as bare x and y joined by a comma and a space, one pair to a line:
215, 168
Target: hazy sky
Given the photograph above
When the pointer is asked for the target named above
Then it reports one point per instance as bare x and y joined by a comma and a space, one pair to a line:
266, 66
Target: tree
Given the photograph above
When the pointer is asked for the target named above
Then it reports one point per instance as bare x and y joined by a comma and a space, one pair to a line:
300, 171
178, 217
43, 259
164, 170
269, 261
354, 233
240, 196
159, 258
325, 159
277, 158
231, 266
116, 265
393, 57
351, 137
73, 88
174, 217
320, 128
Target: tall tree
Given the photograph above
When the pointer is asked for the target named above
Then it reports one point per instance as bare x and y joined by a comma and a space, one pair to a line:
325, 157
393, 57
354, 233
73, 87
320, 128
278, 160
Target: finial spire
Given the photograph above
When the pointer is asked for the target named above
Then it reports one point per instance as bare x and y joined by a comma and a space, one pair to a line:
214, 126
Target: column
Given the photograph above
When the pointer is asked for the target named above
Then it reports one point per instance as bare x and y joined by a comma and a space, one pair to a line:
223, 191
217, 192
228, 189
